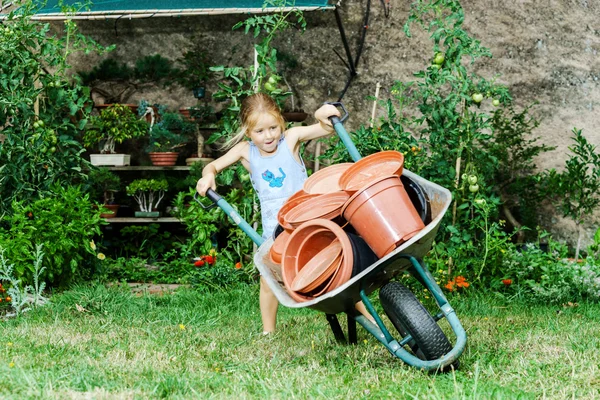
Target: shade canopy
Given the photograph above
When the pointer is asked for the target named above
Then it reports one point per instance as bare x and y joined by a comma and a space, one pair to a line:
104, 9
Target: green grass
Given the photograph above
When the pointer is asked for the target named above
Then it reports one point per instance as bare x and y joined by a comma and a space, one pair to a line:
127, 346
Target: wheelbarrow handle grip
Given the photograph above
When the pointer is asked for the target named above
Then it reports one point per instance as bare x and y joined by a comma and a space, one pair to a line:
212, 195
334, 120
338, 126
237, 219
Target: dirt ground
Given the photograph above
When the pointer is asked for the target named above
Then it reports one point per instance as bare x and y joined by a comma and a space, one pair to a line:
545, 51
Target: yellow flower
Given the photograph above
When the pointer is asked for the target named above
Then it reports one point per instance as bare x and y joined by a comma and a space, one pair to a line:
182, 327
212, 252
11, 364
9, 344
93, 245
101, 256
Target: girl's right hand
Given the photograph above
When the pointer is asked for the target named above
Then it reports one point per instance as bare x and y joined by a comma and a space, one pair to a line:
205, 183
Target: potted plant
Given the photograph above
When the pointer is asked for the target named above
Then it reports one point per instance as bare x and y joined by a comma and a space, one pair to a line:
195, 72
172, 132
104, 184
114, 125
148, 193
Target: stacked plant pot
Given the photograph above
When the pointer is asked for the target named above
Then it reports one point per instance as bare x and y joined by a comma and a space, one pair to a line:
346, 217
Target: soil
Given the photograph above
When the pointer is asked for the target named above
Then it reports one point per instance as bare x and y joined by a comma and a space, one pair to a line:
546, 52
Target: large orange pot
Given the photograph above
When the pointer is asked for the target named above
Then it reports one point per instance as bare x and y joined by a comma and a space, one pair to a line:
371, 168
298, 252
326, 206
383, 215
326, 180
163, 158
296, 199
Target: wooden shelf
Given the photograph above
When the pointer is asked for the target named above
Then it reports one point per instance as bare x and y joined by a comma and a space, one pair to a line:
118, 220
151, 168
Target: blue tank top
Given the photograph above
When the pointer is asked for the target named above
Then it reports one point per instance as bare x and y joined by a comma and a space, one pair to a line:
275, 178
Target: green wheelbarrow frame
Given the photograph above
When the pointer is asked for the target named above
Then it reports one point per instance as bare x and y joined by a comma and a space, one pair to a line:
407, 257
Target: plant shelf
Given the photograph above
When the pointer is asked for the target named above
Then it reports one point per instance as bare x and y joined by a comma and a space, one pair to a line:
123, 220
151, 168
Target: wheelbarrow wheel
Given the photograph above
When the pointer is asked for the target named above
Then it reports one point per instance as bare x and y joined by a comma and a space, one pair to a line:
410, 317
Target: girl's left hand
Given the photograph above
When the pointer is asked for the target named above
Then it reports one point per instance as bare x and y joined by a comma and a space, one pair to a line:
323, 114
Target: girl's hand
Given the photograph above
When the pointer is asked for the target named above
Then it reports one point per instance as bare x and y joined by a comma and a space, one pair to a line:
323, 114
205, 183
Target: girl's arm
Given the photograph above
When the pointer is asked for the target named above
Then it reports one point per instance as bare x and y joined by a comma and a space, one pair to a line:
210, 171
299, 134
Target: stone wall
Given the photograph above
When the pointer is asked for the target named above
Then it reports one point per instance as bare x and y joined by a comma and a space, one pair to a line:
544, 51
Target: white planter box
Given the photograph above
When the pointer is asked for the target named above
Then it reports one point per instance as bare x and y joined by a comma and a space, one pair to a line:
116, 160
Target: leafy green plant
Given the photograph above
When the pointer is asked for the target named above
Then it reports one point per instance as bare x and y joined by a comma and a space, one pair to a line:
201, 224
103, 183
143, 241
515, 148
239, 82
43, 108
117, 82
439, 124
148, 193
115, 124
195, 71
170, 133
547, 275
578, 186
68, 256
20, 295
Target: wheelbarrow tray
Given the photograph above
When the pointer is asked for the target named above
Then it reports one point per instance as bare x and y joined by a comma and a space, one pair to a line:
344, 297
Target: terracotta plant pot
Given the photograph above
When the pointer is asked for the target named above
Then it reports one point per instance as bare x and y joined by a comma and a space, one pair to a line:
163, 158
383, 215
277, 247
326, 180
319, 268
113, 210
326, 206
369, 169
298, 252
290, 203
294, 116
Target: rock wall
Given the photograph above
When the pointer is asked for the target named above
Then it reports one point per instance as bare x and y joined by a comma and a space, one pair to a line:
544, 51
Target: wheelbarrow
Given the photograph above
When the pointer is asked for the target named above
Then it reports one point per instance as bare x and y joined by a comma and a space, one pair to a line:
419, 330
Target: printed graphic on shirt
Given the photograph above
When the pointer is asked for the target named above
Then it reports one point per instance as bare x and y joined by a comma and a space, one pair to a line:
272, 179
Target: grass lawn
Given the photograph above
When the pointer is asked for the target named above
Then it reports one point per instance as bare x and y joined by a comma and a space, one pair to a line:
97, 342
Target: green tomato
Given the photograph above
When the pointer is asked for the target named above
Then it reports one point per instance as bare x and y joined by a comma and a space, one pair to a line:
477, 97
473, 188
53, 139
273, 79
464, 177
52, 149
472, 179
495, 102
36, 124
439, 59
269, 86
435, 66
481, 202
40, 123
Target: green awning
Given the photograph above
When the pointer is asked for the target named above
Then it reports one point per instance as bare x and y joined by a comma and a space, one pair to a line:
104, 9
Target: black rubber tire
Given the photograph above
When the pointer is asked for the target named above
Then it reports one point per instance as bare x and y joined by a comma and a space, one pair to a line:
409, 316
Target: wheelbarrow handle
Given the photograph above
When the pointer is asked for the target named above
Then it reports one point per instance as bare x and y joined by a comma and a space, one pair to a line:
344, 117
341, 131
213, 196
232, 213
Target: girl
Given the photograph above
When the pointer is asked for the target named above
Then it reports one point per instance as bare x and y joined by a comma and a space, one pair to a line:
276, 169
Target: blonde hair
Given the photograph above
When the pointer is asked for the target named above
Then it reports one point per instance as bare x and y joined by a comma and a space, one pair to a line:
252, 107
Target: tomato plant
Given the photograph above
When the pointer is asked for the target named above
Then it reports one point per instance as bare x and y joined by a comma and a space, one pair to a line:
40, 148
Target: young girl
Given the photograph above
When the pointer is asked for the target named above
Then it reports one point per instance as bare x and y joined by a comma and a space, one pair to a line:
276, 169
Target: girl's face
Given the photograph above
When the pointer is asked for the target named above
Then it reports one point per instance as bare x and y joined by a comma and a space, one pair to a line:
266, 134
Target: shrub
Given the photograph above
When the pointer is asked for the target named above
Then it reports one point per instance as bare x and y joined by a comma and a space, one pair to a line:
64, 222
